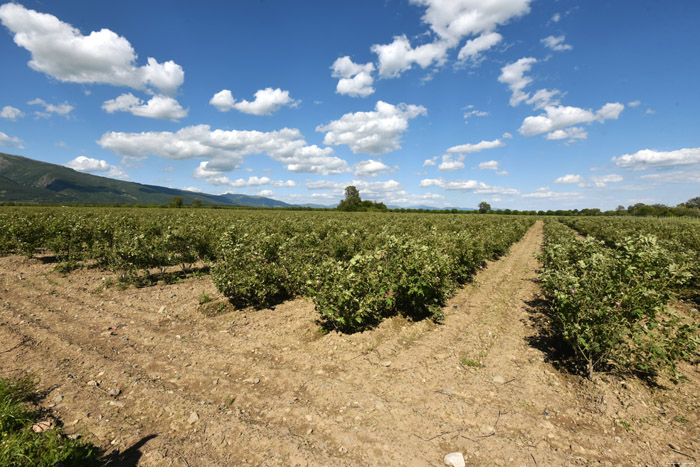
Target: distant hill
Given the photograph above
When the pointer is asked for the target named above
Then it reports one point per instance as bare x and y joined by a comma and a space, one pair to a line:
31, 181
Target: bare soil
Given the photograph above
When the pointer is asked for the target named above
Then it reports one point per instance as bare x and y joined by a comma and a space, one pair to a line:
268, 387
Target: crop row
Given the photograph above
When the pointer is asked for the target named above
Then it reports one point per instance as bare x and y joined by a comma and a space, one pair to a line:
358, 268
609, 301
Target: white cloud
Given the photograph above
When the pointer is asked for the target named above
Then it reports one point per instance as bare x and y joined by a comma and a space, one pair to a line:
266, 193
543, 98
560, 116
370, 168
159, 106
61, 109
212, 179
513, 75
90, 165
399, 56
450, 163
553, 196
9, 141
556, 17
372, 189
569, 178
673, 177
466, 185
193, 189
478, 147
506, 135
489, 165
556, 43
267, 101
470, 111
375, 132
11, 113
63, 52
473, 48
430, 162
636, 103
571, 133
355, 80
653, 159
450, 21
601, 182
225, 150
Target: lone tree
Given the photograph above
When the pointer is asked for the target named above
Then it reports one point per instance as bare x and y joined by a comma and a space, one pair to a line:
178, 201
352, 202
484, 207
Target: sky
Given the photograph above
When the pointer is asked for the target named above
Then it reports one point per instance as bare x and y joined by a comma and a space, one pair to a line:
523, 104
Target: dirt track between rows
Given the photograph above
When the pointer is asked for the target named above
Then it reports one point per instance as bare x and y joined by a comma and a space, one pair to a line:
268, 388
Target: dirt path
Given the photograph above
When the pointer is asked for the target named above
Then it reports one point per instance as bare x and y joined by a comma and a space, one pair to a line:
267, 388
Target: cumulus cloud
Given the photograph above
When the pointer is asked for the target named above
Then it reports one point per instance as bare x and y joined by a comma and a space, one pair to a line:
399, 56
543, 98
64, 53
489, 165
513, 75
376, 132
450, 163
605, 179
653, 159
355, 80
11, 113
473, 48
370, 168
96, 166
572, 133
159, 106
49, 109
569, 178
9, 141
266, 193
213, 179
478, 147
556, 43
472, 186
553, 196
450, 22
225, 150
267, 101
559, 117
430, 162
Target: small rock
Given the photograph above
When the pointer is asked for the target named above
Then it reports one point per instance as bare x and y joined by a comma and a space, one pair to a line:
455, 459
343, 450
499, 380
309, 418
114, 392
93, 383
251, 380
194, 418
119, 404
74, 436
58, 398
386, 363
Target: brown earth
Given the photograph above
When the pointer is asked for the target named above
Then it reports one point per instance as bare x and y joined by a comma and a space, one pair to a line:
269, 388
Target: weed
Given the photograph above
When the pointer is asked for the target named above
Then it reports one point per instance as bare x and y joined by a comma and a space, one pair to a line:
470, 362
680, 419
21, 446
204, 298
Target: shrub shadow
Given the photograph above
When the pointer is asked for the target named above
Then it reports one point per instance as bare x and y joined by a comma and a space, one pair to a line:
130, 456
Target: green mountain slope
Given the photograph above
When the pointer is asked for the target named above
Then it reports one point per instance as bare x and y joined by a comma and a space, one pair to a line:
27, 180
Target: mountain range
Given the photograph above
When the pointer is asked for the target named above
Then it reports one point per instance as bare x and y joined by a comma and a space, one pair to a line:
31, 181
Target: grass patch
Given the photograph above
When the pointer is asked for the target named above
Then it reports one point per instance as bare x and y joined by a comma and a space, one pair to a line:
21, 446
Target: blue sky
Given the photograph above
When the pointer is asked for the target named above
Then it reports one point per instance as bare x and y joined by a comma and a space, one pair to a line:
523, 104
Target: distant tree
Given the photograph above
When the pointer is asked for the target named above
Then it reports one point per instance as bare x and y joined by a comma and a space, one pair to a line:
178, 201
620, 209
196, 203
692, 203
353, 202
484, 207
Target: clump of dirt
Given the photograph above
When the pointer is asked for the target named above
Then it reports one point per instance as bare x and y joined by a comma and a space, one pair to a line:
158, 375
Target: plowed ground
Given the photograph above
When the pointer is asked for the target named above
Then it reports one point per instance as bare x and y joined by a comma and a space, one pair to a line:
268, 387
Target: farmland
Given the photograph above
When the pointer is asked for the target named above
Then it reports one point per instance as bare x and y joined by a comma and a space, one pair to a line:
274, 337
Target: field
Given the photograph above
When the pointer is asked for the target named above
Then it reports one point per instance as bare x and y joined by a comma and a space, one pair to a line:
302, 338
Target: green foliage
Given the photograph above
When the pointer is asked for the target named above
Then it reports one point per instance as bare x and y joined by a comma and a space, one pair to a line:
20, 446
352, 202
484, 207
609, 304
